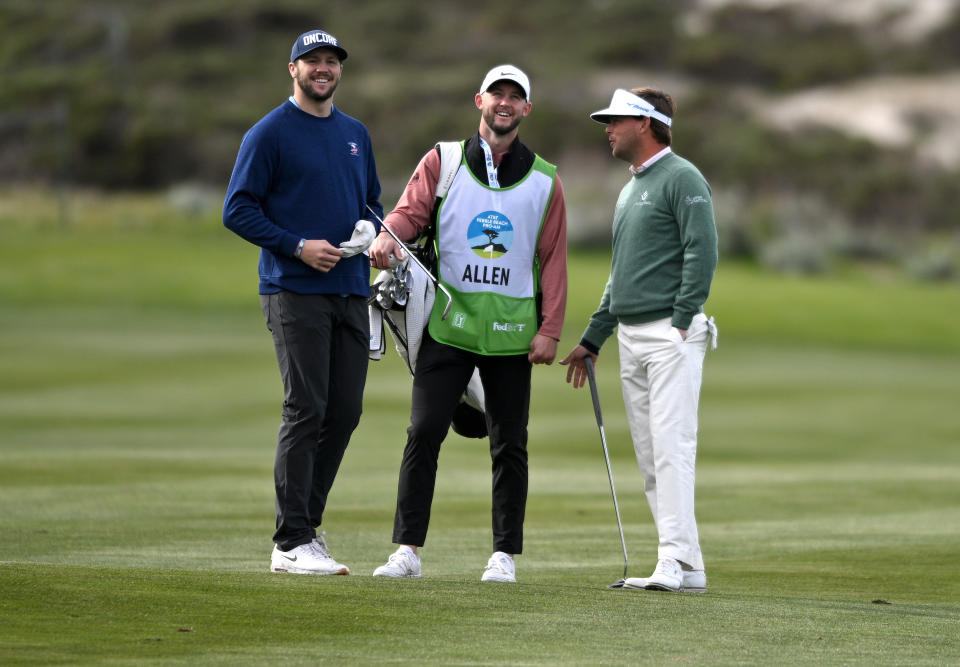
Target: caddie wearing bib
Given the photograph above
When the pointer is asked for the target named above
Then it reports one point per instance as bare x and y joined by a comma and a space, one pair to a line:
500, 240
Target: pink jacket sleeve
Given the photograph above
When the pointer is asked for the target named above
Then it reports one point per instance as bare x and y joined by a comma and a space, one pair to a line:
552, 251
412, 213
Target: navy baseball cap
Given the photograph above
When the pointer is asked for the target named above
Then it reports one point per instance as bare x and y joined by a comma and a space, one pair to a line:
313, 40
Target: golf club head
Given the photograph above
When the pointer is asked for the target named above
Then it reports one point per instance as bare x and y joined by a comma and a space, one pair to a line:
617, 584
446, 310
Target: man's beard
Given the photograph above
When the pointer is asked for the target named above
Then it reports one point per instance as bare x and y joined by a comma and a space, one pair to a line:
491, 118
305, 85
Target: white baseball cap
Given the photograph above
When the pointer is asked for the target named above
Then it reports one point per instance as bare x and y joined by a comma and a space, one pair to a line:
625, 103
506, 73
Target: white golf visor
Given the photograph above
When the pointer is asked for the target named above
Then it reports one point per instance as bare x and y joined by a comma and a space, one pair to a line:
625, 103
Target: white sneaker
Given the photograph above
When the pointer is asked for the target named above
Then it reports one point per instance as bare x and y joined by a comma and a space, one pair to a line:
694, 581
670, 576
500, 567
310, 558
402, 563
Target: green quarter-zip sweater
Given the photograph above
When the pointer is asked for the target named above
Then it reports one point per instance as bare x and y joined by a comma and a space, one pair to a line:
664, 250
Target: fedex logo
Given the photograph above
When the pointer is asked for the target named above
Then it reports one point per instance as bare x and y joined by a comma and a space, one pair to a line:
508, 326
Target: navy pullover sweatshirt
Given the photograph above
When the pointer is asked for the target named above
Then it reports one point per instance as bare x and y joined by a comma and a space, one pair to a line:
300, 176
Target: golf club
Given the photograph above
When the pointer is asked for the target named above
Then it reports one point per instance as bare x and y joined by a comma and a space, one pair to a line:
436, 283
591, 376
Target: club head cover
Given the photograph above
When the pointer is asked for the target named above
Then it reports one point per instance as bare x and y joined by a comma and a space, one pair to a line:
469, 422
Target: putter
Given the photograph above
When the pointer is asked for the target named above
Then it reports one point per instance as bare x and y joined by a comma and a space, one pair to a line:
436, 283
591, 376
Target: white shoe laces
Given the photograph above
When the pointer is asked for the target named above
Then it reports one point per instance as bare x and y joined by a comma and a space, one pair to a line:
500, 562
400, 563
319, 547
670, 567
398, 558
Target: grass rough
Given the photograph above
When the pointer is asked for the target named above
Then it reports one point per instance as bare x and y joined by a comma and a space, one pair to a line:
139, 402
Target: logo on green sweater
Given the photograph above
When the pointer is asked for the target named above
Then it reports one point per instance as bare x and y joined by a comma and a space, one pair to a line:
643, 200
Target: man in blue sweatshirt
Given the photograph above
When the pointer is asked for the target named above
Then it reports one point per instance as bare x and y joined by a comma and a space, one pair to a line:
300, 186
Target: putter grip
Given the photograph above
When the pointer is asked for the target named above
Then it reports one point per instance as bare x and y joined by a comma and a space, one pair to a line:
592, 379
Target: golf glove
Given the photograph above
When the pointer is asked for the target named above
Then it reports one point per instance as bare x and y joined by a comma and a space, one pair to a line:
360, 240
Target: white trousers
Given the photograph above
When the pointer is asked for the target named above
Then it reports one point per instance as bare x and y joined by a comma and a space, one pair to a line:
661, 375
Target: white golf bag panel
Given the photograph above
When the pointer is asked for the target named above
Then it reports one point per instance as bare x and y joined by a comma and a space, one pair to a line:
401, 299
398, 299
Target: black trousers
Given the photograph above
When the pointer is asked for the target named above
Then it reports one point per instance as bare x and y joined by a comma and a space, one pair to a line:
440, 379
321, 342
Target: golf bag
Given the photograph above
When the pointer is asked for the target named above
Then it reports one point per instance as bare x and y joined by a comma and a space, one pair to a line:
401, 299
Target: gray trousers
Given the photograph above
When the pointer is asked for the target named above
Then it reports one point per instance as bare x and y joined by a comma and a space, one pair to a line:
321, 342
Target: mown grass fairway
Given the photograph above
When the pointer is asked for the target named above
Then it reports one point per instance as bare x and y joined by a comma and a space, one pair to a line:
139, 401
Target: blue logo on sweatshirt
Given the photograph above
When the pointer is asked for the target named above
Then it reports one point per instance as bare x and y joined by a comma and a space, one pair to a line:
354, 148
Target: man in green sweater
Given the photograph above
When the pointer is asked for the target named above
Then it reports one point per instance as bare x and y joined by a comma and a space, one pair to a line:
664, 257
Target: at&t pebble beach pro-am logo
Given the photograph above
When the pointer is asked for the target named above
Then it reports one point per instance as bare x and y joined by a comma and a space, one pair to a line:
490, 235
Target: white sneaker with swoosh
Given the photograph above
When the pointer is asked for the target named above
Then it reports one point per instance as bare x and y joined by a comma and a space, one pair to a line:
310, 558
